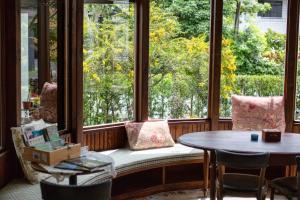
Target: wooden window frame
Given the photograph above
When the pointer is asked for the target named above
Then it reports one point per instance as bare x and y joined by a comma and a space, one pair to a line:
142, 65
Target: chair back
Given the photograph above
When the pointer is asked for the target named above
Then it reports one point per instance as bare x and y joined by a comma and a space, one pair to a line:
51, 191
242, 160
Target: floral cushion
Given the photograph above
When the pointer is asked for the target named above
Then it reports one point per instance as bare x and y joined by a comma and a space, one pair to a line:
30, 174
48, 109
257, 113
146, 135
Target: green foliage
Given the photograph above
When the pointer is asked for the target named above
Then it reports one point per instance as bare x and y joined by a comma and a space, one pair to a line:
108, 63
194, 16
259, 53
252, 62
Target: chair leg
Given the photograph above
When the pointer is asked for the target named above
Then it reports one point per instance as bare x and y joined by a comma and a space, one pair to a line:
272, 193
205, 172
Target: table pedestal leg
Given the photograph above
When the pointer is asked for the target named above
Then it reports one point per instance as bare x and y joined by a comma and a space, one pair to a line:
73, 180
212, 175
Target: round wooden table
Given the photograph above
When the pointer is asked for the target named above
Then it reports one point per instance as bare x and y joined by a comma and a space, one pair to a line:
282, 153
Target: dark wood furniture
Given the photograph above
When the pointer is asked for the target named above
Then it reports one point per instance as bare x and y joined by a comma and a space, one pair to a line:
241, 183
288, 186
100, 191
281, 153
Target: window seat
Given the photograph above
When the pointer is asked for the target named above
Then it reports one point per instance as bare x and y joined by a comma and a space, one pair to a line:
128, 161
144, 172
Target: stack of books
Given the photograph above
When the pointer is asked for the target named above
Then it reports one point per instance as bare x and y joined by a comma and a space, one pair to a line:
84, 163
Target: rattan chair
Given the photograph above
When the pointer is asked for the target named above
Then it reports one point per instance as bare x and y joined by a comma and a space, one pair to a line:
287, 186
238, 184
100, 191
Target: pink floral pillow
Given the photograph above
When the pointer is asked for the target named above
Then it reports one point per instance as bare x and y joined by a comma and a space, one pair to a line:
257, 113
48, 109
146, 135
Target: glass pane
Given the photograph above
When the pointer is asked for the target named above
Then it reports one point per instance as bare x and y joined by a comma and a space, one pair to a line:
29, 48
53, 39
297, 108
29, 55
253, 52
39, 61
108, 62
179, 59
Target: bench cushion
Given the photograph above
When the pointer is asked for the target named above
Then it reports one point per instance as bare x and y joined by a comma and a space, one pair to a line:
126, 160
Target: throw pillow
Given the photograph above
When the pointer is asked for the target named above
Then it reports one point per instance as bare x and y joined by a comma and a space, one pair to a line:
48, 109
257, 113
146, 135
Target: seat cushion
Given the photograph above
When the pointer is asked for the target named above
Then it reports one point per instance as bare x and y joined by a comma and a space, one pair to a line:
126, 160
240, 182
146, 135
257, 113
286, 185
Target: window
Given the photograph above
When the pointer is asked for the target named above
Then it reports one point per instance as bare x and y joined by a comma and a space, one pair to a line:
39, 60
275, 11
179, 59
252, 57
108, 62
297, 107
29, 49
53, 39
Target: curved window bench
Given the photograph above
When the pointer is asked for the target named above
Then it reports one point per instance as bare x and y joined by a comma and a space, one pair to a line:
141, 173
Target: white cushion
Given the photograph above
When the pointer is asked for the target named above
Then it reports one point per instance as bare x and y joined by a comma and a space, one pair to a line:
127, 160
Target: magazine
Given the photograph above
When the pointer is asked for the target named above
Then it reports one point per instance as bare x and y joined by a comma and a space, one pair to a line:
70, 166
89, 163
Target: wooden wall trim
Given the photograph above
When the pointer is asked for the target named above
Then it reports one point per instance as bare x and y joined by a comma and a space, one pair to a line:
6, 174
11, 93
76, 69
291, 62
215, 62
61, 65
12, 65
142, 9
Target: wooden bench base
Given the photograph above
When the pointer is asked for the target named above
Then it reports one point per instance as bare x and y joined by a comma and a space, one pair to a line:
177, 176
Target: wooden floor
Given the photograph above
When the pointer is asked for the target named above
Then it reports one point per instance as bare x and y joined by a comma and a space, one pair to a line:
20, 190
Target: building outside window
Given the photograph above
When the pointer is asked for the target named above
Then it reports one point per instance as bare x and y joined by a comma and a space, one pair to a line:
275, 11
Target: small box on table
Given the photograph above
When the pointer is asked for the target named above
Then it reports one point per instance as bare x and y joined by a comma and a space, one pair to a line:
54, 157
271, 135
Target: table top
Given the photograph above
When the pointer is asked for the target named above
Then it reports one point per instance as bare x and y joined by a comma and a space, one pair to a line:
240, 141
109, 167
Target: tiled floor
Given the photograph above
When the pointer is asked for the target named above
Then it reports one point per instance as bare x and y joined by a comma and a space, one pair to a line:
19, 190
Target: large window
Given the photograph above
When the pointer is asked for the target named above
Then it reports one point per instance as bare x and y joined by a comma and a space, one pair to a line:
108, 62
179, 59
253, 53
